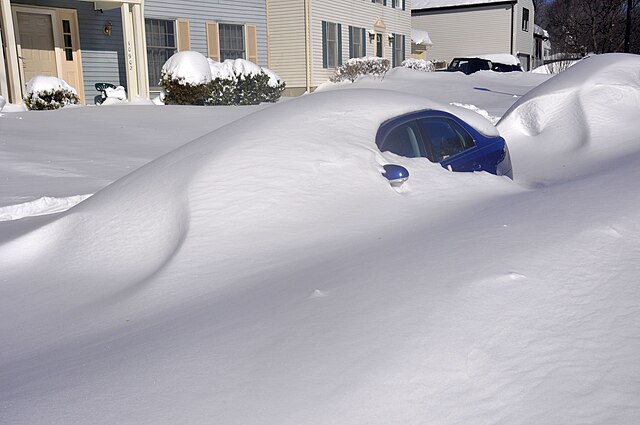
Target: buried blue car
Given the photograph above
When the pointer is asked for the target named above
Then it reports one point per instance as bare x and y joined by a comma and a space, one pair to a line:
443, 138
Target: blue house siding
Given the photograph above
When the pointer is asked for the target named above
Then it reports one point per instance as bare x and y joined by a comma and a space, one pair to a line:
102, 56
198, 12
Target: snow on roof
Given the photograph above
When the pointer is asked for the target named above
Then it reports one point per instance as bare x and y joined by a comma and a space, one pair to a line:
538, 30
420, 37
432, 4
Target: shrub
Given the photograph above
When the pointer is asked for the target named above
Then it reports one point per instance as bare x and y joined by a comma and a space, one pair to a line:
188, 78
179, 92
240, 82
356, 67
46, 93
419, 64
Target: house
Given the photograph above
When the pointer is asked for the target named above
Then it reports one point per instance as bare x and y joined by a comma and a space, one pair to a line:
542, 46
308, 39
420, 43
123, 42
470, 27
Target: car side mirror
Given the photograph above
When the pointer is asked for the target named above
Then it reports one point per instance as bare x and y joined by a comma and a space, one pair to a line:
396, 174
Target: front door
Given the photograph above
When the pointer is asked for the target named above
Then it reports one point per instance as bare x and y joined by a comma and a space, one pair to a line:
49, 44
37, 47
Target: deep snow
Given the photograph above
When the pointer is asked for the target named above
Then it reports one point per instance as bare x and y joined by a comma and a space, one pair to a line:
267, 273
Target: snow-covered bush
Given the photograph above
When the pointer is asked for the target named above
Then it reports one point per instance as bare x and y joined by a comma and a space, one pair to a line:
241, 82
185, 78
44, 93
419, 64
356, 67
2, 103
189, 78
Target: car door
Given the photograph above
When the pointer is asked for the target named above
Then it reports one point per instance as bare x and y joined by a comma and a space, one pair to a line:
450, 144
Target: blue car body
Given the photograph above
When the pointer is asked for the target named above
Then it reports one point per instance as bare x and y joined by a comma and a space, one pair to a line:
444, 138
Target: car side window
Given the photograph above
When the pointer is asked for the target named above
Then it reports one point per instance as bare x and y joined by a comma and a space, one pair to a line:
405, 140
445, 138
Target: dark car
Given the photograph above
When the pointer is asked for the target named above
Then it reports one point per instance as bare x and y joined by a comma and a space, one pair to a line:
446, 139
471, 65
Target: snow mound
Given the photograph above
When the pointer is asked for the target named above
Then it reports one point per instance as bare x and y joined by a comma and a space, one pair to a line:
41, 206
575, 121
188, 66
238, 69
43, 83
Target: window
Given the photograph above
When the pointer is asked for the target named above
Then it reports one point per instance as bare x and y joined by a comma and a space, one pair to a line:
331, 44
445, 138
161, 45
357, 44
525, 19
68, 45
405, 140
231, 41
398, 49
379, 51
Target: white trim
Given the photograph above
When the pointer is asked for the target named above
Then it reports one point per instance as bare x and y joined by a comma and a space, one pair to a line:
12, 79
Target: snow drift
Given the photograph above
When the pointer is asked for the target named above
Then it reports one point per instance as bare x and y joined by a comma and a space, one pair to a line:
576, 121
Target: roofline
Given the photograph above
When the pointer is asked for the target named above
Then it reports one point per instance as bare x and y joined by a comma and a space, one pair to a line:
462, 6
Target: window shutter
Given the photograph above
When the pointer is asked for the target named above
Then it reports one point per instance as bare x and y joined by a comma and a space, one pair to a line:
339, 44
404, 48
184, 35
364, 43
393, 50
393, 3
324, 45
252, 43
213, 42
351, 42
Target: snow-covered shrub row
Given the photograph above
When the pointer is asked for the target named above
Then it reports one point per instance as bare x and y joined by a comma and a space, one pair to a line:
419, 64
355, 67
44, 92
189, 78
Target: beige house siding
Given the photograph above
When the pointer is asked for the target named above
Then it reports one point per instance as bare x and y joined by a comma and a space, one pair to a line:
523, 39
287, 34
287, 40
357, 13
468, 31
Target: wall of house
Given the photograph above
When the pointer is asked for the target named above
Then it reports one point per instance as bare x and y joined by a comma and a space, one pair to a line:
102, 55
466, 31
357, 13
198, 12
287, 42
524, 39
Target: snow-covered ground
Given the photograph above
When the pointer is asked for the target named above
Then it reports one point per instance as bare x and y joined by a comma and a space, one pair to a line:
265, 272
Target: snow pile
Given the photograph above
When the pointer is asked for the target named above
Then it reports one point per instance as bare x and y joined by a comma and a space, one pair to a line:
2, 103
576, 120
41, 206
419, 64
187, 67
44, 92
503, 58
482, 112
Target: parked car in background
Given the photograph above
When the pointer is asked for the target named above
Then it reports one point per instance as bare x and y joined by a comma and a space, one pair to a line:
446, 139
493, 62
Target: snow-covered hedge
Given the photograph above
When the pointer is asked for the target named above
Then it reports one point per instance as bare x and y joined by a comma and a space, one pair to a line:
356, 67
188, 78
45, 93
419, 64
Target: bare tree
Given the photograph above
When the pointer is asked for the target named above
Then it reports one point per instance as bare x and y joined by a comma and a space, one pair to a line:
590, 26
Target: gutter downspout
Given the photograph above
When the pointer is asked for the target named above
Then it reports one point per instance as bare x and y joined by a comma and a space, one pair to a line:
513, 23
307, 43
266, 8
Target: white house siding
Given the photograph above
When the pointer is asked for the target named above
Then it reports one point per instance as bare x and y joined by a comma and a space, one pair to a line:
357, 13
198, 12
524, 40
287, 41
466, 31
